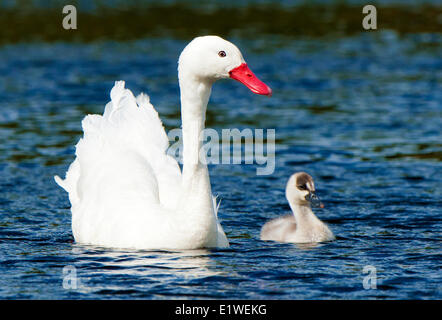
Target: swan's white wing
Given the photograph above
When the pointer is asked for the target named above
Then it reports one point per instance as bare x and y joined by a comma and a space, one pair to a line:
121, 167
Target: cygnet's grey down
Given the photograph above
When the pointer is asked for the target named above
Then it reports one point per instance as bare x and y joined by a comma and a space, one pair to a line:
302, 226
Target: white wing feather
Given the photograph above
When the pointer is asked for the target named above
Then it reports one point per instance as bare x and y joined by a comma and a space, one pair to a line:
121, 168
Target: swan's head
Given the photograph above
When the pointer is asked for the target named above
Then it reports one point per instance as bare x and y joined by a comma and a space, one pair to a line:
210, 58
301, 190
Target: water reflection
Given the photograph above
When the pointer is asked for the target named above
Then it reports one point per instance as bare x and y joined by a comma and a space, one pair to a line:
151, 268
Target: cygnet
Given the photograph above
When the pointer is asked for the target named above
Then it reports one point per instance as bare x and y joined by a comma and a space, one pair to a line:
302, 226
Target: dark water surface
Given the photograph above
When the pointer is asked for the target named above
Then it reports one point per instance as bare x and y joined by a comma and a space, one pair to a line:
361, 114
123, 20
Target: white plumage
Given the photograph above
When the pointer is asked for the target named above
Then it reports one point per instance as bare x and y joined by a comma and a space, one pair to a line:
123, 186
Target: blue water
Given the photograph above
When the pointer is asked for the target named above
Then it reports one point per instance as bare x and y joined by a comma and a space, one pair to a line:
361, 114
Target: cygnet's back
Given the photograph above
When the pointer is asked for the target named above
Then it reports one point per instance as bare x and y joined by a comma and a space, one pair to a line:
279, 229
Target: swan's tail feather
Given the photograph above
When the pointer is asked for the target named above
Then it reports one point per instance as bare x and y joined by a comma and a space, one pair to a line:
216, 204
69, 184
61, 183
221, 240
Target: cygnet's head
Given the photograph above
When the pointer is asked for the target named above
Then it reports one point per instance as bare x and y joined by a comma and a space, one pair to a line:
210, 58
300, 190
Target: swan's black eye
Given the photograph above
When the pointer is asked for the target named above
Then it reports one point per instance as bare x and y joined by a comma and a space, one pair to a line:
302, 187
222, 54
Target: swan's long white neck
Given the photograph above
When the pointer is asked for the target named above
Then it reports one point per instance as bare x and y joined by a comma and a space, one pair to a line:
195, 95
196, 202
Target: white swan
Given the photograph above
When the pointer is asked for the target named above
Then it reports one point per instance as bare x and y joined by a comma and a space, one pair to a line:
302, 226
125, 191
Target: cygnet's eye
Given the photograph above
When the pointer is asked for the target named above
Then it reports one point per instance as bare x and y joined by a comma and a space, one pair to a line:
302, 187
222, 54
